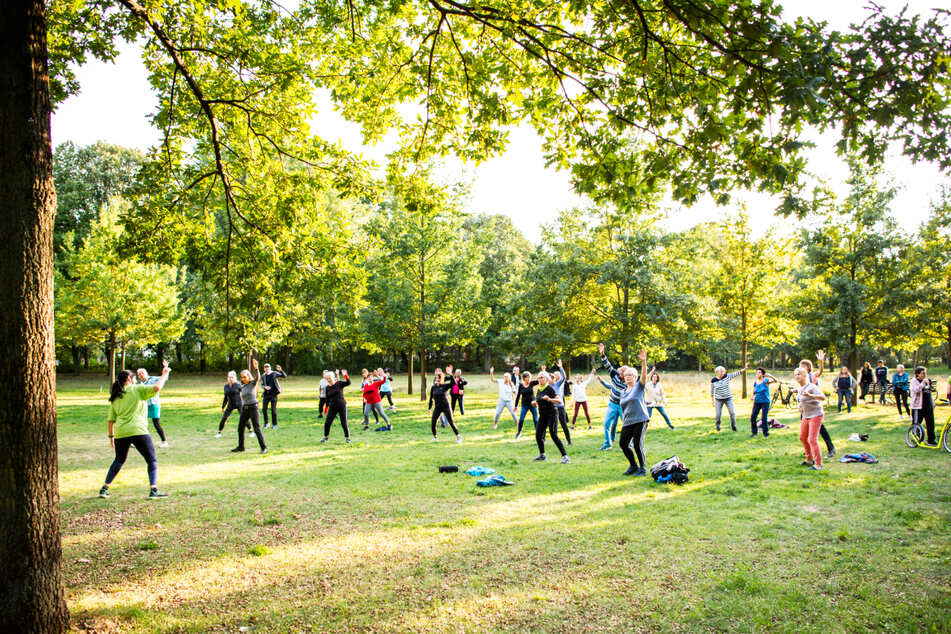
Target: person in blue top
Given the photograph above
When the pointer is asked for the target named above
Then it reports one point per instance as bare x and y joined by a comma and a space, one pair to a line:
386, 390
900, 383
881, 376
154, 404
634, 417
843, 387
761, 401
617, 386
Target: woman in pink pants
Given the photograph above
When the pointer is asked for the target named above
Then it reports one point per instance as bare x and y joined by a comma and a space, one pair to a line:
810, 405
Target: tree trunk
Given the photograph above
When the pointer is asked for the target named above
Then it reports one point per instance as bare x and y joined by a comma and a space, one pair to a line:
743, 350
422, 375
160, 354
422, 328
488, 359
74, 351
948, 343
178, 352
230, 360
122, 348
111, 357
409, 373
202, 360
86, 358
31, 590
853, 353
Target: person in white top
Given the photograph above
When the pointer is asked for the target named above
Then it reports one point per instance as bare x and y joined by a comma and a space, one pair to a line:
506, 396
655, 397
579, 392
322, 401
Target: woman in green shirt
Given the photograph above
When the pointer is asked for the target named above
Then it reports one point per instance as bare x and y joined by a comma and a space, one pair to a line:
128, 426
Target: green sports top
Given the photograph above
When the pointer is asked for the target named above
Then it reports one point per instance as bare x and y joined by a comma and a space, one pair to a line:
128, 411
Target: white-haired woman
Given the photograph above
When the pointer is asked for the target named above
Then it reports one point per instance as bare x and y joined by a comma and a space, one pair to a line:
634, 417
721, 395
336, 404
249, 408
810, 406
231, 401
547, 400
506, 396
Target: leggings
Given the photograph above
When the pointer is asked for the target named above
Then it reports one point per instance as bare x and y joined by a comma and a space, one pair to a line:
548, 423
225, 416
321, 407
389, 397
334, 410
501, 406
273, 401
825, 437
457, 398
635, 433
901, 395
582, 404
659, 408
145, 447
729, 405
926, 413
376, 408
441, 408
610, 422
521, 419
865, 385
249, 418
762, 409
158, 428
563, 419
808, 432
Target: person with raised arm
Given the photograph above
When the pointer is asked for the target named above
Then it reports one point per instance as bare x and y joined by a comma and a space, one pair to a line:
231, 401
810, 409
579, 392
617, 387
506, 396
439, 403
813, 377
526, 394
272, 389
127, 426
249, 408
721, 395
634, 417
336, 403
559, 381
761, 401
656, 399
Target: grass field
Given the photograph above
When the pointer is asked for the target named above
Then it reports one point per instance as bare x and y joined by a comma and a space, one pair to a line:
370, 537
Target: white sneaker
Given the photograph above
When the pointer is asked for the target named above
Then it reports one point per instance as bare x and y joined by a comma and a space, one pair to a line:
218, 435
164, 443
459, 439
435, 439
564, 460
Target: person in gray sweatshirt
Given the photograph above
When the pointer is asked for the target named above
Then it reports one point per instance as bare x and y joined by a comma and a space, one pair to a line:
249, 408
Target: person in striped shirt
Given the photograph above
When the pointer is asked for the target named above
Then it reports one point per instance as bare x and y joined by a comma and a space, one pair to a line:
721, 395
617, 387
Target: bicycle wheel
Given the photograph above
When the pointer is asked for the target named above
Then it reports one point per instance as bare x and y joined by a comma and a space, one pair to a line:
946, 440
914, 436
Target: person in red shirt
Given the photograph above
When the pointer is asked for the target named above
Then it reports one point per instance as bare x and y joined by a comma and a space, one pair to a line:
373, 402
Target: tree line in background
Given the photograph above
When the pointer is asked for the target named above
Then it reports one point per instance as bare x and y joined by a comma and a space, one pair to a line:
406, 278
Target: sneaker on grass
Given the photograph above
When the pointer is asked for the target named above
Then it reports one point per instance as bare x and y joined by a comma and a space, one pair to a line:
565, 460
104, 492
155, 493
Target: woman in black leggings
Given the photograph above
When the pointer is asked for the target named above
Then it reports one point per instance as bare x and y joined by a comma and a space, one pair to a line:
336, 404
457, 391
231, 402
526, 394
634, 418
250, 416
547, 401
439, 404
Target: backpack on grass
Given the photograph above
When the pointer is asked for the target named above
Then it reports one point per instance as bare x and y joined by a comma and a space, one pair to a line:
670, 470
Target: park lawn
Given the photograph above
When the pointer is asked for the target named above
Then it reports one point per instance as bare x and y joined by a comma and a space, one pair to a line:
314, 537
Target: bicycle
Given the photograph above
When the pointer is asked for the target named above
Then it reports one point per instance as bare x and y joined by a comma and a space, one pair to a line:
784, 398
915, 436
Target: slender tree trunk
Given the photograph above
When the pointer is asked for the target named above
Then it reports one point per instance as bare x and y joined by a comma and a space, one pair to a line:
853, 353
422, 328
31, 589
160, 354
948, 343
743, 349
86, 358
122, 349
409, 372
75, 351
111, 354
202, 360
178, 352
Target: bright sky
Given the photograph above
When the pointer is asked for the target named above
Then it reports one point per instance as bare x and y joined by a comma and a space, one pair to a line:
116, 102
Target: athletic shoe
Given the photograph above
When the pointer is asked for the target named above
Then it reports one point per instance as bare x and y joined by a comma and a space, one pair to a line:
569, 443
541, 457
669, 426
163, 444
435, 439
815, 468
104, 492
459, 439
155, 493
516, 436
630, 471
366, 427
266, 426
930, 444
640, 472
605, 446
733, 427
805, 463
389, 428
274, 427
765, 435
237, 449
324, 439
718, 428
564, 460
495, 425
381, 428
218, 435
264, 450
831, 453
348, 441
752, 435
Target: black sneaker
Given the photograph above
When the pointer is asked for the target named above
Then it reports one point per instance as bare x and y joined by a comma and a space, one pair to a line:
264, 450
630, 471
752, 435
831, 453
805, 463
155, 493
104, 492
640, 472
541, 457
733, 427
348, 441
324, 439
237, 449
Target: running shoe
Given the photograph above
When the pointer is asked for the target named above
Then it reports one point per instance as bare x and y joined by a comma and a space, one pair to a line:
805, 463
163, 444
815, 468
630, 471
640, 472
459, 439
752, 435
155, 493
605, 446
324, 439
237, 449
564, 460
831, 453
264, 450
516, 436
348, 441
218, 435
104, 492
541, 457
435, 439
382, 428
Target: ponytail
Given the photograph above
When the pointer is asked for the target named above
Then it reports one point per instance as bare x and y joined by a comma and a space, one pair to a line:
118, 388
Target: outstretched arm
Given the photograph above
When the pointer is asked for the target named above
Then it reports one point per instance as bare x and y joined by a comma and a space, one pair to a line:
820, 357
158, 385
642, 355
